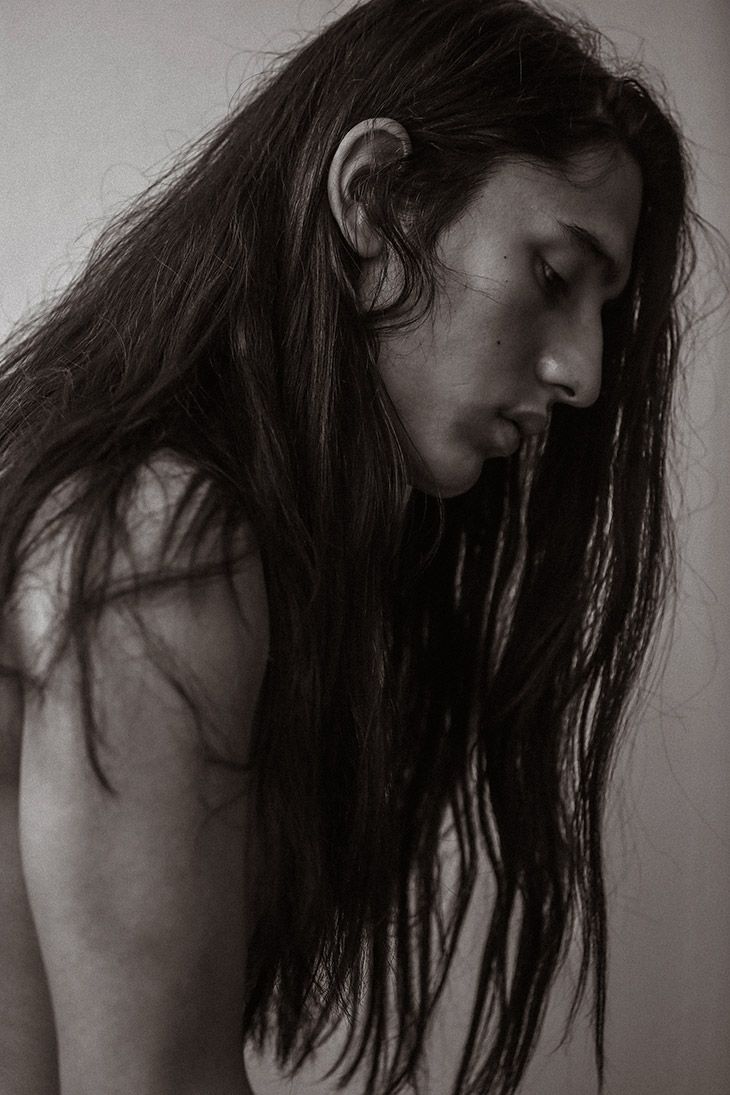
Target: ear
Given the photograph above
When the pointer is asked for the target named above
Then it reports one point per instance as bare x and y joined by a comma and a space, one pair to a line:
368, 144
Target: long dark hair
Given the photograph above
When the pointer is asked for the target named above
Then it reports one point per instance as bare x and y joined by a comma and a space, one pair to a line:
459, 665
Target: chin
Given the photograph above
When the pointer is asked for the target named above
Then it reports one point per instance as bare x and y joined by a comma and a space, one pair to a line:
449, 482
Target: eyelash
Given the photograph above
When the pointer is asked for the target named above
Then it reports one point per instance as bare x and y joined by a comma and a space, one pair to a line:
554, 285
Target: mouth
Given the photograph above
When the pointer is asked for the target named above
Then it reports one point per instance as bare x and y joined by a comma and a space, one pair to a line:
528, 423
507, 436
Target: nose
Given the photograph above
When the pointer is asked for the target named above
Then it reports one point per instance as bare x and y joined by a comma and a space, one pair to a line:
571, 361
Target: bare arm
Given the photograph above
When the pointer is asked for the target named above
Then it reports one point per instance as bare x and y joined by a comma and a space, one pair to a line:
139, 899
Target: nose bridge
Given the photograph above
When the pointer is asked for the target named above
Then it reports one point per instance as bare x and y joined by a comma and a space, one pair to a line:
572, 359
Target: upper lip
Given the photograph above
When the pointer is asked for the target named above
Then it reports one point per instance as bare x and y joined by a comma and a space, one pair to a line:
529, 423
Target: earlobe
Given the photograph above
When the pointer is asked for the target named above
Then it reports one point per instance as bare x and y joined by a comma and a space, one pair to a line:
369, 144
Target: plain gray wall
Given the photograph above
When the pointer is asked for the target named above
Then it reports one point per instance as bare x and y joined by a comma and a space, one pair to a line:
95, 95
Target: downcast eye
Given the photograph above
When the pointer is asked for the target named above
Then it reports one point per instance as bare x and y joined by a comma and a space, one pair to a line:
554, 284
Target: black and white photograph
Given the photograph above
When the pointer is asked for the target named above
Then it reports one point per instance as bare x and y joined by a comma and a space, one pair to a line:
365, 547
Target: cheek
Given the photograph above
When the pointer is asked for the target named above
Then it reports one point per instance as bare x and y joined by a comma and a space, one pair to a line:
511, 331
507, 348
491, 320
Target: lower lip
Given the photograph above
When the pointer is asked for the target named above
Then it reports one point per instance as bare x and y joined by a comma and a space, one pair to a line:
506, 436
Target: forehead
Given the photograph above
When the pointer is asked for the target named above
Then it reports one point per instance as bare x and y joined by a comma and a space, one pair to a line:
599, 191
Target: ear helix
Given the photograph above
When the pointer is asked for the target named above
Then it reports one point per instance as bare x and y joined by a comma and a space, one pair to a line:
367, 145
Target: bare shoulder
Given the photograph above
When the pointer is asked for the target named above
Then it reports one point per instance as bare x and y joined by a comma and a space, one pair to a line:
141, 899
210, 635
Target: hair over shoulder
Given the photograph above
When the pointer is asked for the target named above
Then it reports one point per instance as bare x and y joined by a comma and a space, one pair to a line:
462, 664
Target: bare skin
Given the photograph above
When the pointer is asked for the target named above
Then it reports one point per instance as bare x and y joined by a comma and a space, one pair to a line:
517, 326
27, 1034
128, 912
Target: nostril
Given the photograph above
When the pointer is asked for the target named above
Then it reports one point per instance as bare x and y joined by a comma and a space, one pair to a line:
571, 377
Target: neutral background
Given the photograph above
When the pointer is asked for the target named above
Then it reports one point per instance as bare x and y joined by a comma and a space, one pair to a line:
96, 95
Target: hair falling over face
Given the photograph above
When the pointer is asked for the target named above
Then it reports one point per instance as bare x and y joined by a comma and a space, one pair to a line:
459, 664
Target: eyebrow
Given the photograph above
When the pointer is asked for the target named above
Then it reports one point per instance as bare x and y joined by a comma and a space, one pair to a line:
591, 243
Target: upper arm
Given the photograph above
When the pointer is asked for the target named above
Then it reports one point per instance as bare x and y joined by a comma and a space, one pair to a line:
140, 896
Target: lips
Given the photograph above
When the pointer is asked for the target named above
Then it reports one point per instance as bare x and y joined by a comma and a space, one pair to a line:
506, 436
510, 428
529, 423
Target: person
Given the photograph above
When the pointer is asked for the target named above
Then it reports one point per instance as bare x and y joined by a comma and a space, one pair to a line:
334, 536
